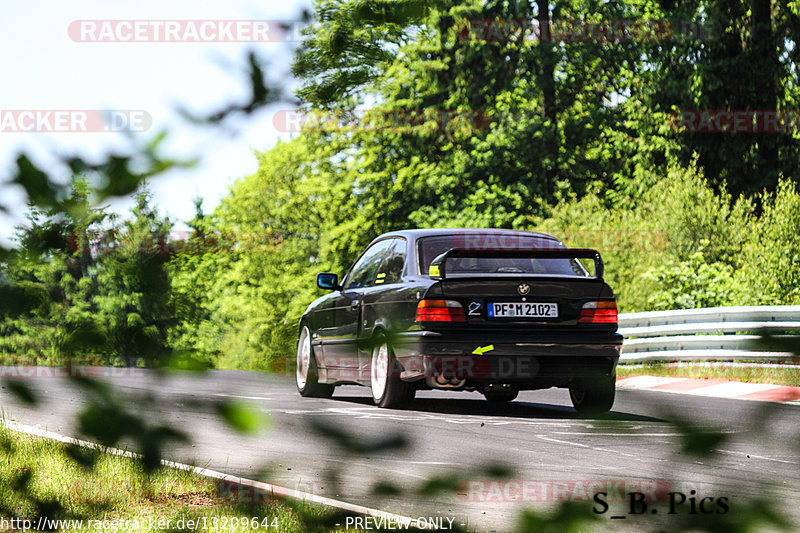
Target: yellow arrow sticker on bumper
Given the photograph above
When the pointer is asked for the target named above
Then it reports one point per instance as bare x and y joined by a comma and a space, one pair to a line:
480, 350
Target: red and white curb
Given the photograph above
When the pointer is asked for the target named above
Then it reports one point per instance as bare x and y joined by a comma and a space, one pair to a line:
716, 388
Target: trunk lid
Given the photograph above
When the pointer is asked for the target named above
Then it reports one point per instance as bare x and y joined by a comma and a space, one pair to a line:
520, 289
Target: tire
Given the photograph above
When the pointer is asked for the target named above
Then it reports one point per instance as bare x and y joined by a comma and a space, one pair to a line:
594, 397
307, 375
501, 396
388, 390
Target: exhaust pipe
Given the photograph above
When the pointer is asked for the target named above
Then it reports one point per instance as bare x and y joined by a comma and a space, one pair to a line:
442, 382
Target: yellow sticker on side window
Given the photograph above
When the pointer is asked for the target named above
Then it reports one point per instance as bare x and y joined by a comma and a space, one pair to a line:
433, 270
380, 278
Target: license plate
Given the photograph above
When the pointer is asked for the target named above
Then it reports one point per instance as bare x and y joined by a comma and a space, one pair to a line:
522, 310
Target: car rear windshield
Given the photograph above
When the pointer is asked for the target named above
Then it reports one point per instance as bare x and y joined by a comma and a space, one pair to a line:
431, 247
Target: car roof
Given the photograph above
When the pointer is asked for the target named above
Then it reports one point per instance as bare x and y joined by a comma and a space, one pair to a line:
414, 234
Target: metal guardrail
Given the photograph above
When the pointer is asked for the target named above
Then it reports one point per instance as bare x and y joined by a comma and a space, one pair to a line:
708, 334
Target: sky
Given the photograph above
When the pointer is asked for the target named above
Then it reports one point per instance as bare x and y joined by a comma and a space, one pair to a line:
48, 65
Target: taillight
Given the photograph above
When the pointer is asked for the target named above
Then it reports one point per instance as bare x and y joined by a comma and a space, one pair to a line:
440, 311
599, 313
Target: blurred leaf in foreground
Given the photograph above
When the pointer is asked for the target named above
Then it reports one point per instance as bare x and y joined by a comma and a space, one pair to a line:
241, 417
21, 391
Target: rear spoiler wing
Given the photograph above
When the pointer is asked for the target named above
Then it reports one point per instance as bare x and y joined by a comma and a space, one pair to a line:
438, 270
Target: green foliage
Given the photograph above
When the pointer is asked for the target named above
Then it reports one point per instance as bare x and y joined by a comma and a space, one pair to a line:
569, 517
73, 482
691, 284
245, 299
572, 138
133, 301
96, 291
771, 258
351, 43
681, 245
241, 417
52, 274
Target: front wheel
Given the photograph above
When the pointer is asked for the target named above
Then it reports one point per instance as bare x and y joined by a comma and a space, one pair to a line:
388, 390
307, 375
594, 396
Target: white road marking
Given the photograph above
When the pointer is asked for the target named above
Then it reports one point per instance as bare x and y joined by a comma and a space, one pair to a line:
549, 439
371, 465
240, 396
751, 456
619, 434
213, 474
406, 462
595, 448
379, 414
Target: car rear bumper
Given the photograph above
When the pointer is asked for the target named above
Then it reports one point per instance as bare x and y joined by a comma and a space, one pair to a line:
527, 360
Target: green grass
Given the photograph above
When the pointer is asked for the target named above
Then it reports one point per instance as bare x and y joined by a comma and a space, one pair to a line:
35, 471
785, 375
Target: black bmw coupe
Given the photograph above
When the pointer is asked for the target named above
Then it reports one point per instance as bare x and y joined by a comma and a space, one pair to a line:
497, 311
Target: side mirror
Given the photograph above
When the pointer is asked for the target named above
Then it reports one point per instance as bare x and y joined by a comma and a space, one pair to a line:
328, 281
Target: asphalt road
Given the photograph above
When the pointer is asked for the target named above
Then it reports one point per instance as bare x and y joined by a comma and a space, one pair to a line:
554, 453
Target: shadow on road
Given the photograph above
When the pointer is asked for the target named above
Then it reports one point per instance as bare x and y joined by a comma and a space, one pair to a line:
515, 409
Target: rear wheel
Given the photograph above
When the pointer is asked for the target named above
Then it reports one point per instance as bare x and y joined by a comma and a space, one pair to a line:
388, 390
307, 375
501, 396
594, 396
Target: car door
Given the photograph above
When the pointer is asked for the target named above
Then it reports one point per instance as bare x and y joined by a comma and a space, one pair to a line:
341, 348
381, 301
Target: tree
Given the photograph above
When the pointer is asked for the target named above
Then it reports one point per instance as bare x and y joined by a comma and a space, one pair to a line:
134, 292
743, 60
53, 270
